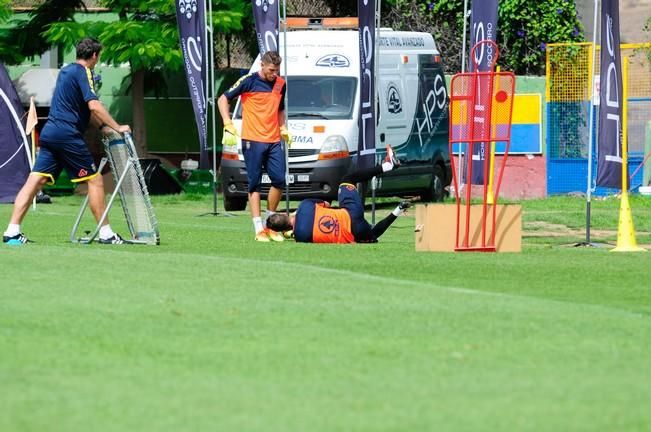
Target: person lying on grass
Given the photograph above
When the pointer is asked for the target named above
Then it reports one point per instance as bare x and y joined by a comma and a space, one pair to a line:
316, 222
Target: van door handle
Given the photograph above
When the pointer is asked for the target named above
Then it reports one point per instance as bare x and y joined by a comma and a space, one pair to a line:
382, 137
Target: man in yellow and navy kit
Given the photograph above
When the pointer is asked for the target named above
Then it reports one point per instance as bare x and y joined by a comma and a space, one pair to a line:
316, 222
263, 125
74, 105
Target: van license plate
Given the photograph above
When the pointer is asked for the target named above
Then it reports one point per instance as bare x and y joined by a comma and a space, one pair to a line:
267, 180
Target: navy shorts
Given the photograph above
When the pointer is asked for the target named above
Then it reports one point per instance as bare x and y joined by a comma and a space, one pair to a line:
350, 200
267, 156
74, 156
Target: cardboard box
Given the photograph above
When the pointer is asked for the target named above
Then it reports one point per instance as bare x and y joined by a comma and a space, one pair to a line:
436, 227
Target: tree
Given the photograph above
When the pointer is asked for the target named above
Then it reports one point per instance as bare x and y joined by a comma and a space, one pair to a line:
524, 29
342, 8
5, 10
443, 19
24, 38
146, 37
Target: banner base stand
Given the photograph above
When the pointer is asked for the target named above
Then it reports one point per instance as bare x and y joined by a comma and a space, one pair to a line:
592, 245
216, 214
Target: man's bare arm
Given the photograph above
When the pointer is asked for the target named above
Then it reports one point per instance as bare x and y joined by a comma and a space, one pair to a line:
224, 109
100, 115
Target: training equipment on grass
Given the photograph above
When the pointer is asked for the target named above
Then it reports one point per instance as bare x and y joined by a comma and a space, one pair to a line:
130, 185
481, 107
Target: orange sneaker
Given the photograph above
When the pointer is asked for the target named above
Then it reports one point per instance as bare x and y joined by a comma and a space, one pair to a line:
262, 236
274, 235
267, 235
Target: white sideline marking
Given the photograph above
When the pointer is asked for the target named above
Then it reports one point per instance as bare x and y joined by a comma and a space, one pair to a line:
364, 276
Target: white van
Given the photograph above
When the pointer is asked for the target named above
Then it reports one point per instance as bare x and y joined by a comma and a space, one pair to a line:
323, 107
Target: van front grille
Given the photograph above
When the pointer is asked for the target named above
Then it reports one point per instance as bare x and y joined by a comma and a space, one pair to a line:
295, 188
302, 152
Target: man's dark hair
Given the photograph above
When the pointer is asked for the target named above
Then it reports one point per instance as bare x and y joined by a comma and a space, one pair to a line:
279, 222
87, 47
271, 57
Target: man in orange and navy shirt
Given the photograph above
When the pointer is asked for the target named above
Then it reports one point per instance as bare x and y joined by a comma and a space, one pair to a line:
316, 222
263, 125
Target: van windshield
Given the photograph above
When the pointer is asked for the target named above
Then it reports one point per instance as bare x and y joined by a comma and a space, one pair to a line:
317, 97
320, 97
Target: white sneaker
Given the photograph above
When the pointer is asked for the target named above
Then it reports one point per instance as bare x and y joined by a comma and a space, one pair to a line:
18, 239
115, 239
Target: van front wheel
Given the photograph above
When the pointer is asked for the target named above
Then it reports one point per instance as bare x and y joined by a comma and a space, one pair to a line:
436, 190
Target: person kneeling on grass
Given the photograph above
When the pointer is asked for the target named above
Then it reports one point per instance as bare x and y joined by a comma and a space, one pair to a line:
316, 222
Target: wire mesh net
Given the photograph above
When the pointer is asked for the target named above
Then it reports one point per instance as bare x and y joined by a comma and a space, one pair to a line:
568, 96
639, 98
502, 106
569, 89
460, 108
468, 112
133, 191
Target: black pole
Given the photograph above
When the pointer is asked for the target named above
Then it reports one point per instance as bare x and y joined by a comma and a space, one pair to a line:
210, 99
214, 177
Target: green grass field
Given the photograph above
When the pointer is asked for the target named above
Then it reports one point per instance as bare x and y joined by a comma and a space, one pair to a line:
212, 331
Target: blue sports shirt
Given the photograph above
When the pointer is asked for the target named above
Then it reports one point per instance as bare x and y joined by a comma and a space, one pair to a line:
69, 112
304, 220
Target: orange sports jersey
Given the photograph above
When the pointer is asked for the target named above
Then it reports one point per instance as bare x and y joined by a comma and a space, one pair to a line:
261, 102
331, 225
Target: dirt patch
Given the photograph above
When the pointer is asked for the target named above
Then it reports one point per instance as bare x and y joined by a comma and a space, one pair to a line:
539, 229
546, 229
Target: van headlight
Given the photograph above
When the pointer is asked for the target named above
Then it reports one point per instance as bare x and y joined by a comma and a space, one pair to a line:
334, 147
